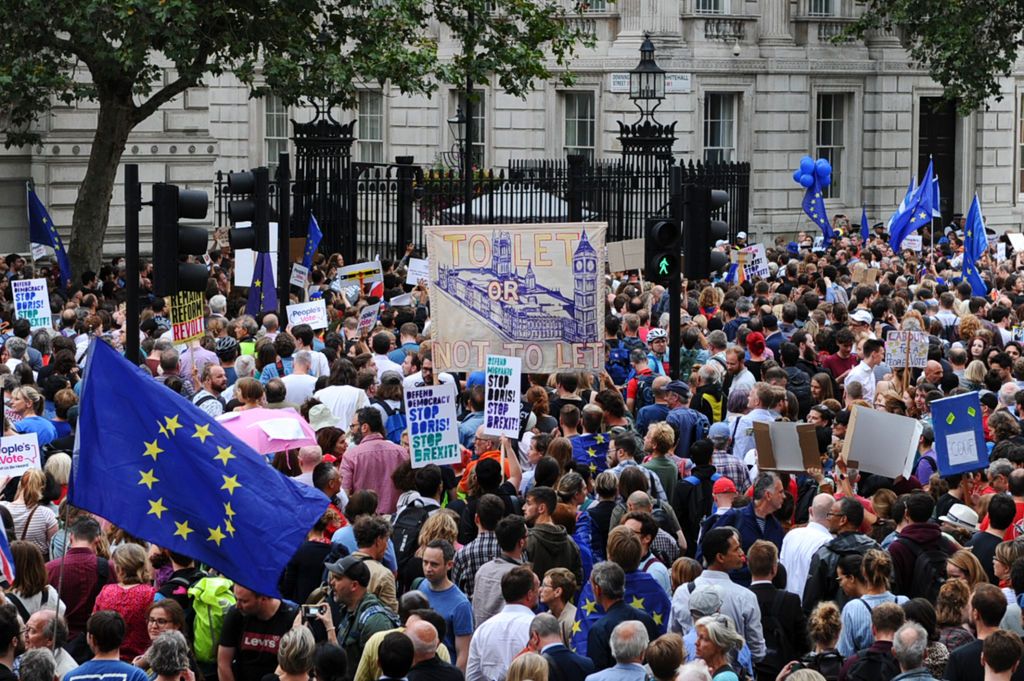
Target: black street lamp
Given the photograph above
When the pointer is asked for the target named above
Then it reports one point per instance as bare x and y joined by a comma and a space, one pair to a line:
647, 81
457, 126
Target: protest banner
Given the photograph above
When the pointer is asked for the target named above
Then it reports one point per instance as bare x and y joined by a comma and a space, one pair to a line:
528, 291
913, 242
368, 318
756, 263
433, 428
1000, 251
865, 275
313, 313
419, 268
959, 434
32, 302
626, 255
501, 399
881, 443
785, 446
187, 310
300, 274
1016, 240
18, 453
905, 349
357, 275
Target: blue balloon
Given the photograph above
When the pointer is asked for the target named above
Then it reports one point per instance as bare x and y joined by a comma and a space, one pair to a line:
806, 180
796, 175
822, 167
807, 165
825, 181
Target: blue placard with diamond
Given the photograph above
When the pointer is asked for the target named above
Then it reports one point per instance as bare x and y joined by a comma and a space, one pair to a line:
959, 436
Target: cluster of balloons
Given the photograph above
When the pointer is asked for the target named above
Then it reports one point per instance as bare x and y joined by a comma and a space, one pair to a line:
810, 170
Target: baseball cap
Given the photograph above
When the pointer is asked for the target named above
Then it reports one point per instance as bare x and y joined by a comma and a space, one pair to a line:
741, 235
861, 316
679, 388
475, 378
705, 600
724, 486
352, 567
718, 430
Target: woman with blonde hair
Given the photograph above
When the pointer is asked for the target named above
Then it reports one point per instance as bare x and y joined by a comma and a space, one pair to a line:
33, 521
876, 569
442, 525
974, 376
528, 667
295, 655
131, 597
28, 403
952, 614
823, 627
58, 465
965, 565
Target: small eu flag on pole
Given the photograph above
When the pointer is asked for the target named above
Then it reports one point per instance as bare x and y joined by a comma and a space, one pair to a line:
313, 238
975, 245
150, 462
262, 293
814, 206
41, 230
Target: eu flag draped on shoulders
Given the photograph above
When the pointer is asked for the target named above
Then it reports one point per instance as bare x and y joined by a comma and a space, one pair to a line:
313, 238
263, 292
162, 469
642, 592
915, 213
591, 451
41, 230
975, 245
814, 206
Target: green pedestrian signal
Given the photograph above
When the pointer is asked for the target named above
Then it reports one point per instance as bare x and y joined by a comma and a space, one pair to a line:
663, 267
661, 249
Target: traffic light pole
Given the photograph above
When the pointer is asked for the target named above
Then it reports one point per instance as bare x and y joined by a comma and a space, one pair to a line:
132, 208
283, 233
675, 285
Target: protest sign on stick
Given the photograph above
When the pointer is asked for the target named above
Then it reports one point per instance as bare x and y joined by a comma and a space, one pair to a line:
501, 397
433, 429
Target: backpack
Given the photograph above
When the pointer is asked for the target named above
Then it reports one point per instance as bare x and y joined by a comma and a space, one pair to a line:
929, 572
211, 598
618, 366
827, 664
775, 640
406, 531
872, 665
703, 503
715, 404
644, 392
395, 423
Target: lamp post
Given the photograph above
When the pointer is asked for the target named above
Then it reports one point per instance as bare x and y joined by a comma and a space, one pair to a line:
647, 81
457, 126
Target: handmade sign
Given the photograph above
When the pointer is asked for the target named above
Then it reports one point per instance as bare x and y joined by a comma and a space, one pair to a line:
18, 453
501, 399
528, 291
881, 443
626, 255
32, 302
756, 264
784, 446
419, 268
433, 429
187, 310
912, 242
358, 275
313, 313
865, 275
959, 435
905, 349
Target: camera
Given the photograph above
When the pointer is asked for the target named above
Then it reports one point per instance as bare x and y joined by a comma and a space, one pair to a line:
311, 612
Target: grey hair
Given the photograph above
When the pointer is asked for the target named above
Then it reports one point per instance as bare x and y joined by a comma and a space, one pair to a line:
1007, 392
545, 625
56, 628
910, 654
721, 632
765, 481
16, 347
1000, 467
710, 373
718, 339
161, 344
218, 304
629, 641
37, 664
295, 652
304, 358
693, 671
245, 366
610, 578
744, 304
168, 654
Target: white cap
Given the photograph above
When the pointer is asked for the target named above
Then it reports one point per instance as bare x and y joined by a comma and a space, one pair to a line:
741, 235
721, 242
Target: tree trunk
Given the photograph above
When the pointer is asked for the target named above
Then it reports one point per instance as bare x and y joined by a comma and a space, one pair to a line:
92, 208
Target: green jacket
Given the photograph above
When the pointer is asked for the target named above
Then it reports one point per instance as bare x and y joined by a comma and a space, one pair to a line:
369, 617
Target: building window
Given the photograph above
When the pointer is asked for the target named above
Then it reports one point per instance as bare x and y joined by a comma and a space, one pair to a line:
594, 6
711, 6
820, 8
276, 135
579, 123
370, 129
458, 102
830, 137
720, 127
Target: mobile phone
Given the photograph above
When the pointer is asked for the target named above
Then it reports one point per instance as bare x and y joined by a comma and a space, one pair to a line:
311, 612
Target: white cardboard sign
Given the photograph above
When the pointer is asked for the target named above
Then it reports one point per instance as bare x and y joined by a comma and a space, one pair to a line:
32, 302
300, 274
502, 398
313, 313
881, 443
368, 318
433, 429
419, 268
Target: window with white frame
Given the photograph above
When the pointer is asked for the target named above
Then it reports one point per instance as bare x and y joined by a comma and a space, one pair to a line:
820, 8
370, 128
275, 134
711, 6
579, 123
720, 126
830, 136
594, 5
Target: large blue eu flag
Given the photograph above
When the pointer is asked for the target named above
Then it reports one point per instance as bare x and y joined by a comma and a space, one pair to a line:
162, 469
263, 292
591, 451
642, 592
915, 214
41, 230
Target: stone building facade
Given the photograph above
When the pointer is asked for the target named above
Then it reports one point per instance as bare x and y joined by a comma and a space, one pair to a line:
748, 80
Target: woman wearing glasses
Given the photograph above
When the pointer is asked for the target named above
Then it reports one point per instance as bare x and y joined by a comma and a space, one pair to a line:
161, 616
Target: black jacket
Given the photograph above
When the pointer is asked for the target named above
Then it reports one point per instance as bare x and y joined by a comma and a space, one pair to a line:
568, 665
800, 386
793, 622
692, 503
822, 584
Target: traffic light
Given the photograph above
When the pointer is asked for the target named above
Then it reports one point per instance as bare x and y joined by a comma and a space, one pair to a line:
702, 232
661, 249
172, 241
254, 186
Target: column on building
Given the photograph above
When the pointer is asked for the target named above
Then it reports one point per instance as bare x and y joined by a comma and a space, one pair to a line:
775, 23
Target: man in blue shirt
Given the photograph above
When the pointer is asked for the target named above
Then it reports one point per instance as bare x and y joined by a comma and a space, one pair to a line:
689, 424
447, 599
105, 631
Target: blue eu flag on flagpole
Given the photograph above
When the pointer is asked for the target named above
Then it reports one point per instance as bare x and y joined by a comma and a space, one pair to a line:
865, 231
975, 245
263, 292
150, 462
642, 592
814, 206
313, 237
41, 230
917, 214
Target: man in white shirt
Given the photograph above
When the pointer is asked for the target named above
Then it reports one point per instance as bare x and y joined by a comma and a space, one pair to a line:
341, 396
801, 543
498, 640
762, 401
299, 384
864, 373
383, 343
736, 369
318, 364
425, 376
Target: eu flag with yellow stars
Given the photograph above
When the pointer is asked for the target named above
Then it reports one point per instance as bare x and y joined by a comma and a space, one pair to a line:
642, 592
975, 245
263, 292
591, 451
313, 238
41, 230
163, 470
814, 206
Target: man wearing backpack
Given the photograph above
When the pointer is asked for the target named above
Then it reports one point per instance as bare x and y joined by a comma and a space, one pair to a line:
692, 498
690, 425
919, 553
844, 520
783, 622
388, 401
185, 575
83, 574
876, 663
638, 388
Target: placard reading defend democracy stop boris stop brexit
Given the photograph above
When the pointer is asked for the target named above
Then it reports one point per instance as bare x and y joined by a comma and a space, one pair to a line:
433, 429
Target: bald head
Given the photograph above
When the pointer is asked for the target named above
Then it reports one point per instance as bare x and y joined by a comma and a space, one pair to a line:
659, 383
933, 372
424, 639
639, 501
820, 507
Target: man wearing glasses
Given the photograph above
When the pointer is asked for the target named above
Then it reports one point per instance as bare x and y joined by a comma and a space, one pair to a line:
844, 520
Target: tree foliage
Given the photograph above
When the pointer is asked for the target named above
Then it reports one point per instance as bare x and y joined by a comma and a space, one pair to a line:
966, 45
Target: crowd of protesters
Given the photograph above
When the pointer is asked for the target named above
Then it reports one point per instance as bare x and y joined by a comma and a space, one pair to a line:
509, 564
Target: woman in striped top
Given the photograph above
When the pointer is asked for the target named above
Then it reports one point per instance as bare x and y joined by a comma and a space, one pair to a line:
33, 521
